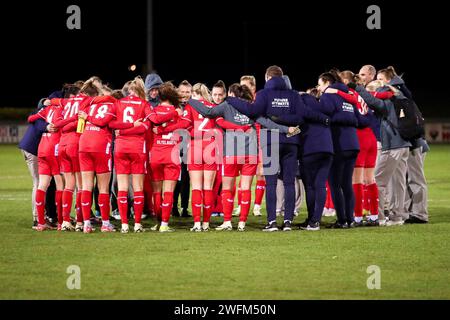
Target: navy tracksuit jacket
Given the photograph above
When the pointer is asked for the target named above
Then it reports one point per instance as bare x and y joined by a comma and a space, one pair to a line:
284, 106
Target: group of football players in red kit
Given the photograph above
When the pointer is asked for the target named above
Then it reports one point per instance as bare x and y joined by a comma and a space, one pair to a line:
93, 129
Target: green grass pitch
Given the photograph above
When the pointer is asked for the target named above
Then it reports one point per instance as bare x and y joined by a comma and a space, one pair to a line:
331, 264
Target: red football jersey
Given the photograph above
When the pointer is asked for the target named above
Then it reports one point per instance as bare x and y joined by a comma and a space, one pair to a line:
97, 136
200, 126
164, 148
69, 116
129, 110
49, 141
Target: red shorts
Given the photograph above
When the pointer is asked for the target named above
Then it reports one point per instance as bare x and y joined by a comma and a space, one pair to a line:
202, 156
130, 163
98, 162
165, 171
367, 156
235, 166
68, 157
48, 166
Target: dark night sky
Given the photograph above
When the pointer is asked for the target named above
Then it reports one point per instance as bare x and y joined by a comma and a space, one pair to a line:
201, 41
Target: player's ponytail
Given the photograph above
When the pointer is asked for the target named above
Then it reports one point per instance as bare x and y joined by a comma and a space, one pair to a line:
331, 77
241, 91
389, 73
137, 87
89, 88
203, 91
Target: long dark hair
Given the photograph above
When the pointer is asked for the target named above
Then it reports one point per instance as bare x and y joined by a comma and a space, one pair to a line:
331, 76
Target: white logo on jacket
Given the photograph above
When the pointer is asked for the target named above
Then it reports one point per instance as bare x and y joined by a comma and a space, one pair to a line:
280, 103
347, 107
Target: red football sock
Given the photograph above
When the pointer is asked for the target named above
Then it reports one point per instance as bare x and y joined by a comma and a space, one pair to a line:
58, 202
86, 204
366, 197
358, 190
122, 204
40, 205
245, 205
105, 206
372, 190
227, 204
67, 200
167, 206
138, 206
197, 204
259, 191
208, 199
329, 202
157, 201
78, 211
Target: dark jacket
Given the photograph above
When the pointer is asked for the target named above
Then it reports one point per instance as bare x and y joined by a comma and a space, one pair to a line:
344, 120
385, 110
399, 83
282, 105
315, 137
32, 137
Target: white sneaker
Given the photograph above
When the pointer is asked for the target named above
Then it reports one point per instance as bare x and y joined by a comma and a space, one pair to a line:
67, 226
205, 227
155, 227
79, 227
237, 212
116, 215
138, 228
241, 226
329, 212
382, 222
125, 228
165, 229
197, 227
295, 213
257, 210
226, 226
280, 213
391, 223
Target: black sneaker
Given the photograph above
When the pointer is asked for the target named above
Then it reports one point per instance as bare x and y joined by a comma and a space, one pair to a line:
271, 227
351, 225
337, 225
35, 224
372, 223
304, 224
311, 227
413, 219
51, 225
287, 226
358, 224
